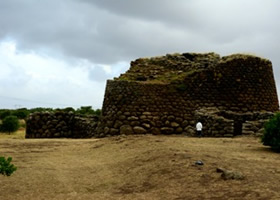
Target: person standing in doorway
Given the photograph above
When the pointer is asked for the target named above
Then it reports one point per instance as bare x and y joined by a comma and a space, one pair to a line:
199, 129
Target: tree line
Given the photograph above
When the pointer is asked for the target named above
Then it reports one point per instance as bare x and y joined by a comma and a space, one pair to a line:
22, 113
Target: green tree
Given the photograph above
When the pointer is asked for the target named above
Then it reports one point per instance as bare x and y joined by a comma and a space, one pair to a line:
4, 113
85, 110
40, 109
69, 109
10, 124
271, 136
97, 112
21, 113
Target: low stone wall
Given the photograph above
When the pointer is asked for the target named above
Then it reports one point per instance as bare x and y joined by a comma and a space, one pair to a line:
216, 123
60, 125
221, 123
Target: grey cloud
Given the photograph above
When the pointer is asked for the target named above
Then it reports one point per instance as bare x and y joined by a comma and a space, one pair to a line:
110, 31
87, 31
179, 12
118, 31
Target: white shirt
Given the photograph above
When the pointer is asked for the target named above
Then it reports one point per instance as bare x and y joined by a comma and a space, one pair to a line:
198, 126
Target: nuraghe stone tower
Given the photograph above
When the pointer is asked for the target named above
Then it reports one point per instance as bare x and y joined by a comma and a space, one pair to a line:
231, 95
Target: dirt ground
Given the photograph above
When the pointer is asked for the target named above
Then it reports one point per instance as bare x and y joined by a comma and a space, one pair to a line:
139, 167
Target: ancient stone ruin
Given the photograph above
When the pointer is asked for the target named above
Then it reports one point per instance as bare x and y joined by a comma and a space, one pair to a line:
231, 95
60, 125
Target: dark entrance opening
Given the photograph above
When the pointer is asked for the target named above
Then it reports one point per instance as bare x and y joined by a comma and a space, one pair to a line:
237, 127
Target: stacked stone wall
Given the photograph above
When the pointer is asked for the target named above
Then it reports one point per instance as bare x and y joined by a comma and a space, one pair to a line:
236, 84
228, 123
60, 125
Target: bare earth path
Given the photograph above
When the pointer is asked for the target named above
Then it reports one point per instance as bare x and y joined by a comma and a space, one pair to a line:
139, 167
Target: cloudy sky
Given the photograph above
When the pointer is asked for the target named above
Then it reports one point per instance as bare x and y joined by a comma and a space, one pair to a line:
59, 53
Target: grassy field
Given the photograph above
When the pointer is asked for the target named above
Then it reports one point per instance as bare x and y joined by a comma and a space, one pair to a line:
20, 134
138, 167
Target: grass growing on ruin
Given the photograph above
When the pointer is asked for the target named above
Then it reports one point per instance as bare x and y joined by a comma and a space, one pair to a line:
241, 56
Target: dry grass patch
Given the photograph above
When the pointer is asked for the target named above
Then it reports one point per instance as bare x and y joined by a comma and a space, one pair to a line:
139, 167
19, 134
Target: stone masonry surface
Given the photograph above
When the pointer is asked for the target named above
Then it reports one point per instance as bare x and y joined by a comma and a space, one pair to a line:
60, 125
231, 95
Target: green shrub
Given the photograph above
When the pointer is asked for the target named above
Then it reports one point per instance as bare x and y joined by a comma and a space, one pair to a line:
40, 109
271, 136
88, 110
6, 168
69, 109
4, 113
21, 113
10, 124
97, 112
85, 110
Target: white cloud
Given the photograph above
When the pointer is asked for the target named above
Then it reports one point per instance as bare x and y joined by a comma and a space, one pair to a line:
29, 76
